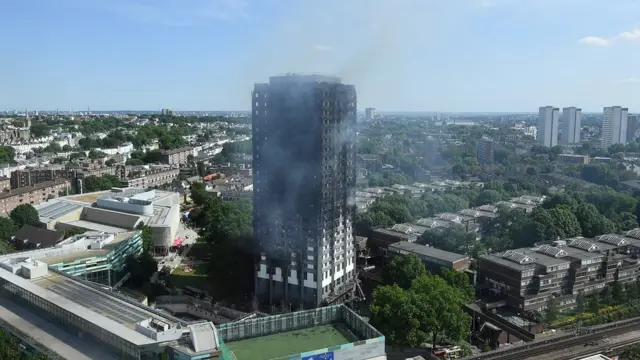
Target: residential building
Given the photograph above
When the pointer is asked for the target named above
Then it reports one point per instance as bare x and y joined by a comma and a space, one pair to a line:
614, 126
632, 127
369, 114
381, 239
526, 278
152, 178
30, 177
31, 237
574, 159
486, 151
34, 194
176, 156
548, 121
433, 259
571, 125
304, 188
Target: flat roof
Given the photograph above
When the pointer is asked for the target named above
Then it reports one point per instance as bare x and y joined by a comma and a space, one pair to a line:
71, 304
88, 197
55, 209
96, 227
281, 345
160, 216
96, 301
67, 258
428, 251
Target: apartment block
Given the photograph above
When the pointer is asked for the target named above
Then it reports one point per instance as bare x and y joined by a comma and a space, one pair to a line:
152, 178
486, 151
176, 156
614, 126
304, 189
34, 194
526, 278
548, 121
571, 121
632, 127
30, 177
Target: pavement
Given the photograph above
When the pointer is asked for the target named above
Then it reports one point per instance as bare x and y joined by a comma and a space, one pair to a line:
174, 260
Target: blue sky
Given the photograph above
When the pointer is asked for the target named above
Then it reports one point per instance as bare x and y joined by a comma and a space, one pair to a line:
413, 55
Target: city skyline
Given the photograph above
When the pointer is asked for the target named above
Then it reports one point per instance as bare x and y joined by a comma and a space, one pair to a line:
206, 55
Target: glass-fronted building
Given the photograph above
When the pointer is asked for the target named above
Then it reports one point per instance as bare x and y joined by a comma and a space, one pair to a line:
106, 268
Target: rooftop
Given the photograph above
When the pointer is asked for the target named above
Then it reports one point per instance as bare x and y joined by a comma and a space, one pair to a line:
38, 236
112, 312
288, 343
72, 256
94, 300
428, 251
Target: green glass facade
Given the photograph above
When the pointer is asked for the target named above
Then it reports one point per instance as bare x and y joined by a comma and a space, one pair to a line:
105, 269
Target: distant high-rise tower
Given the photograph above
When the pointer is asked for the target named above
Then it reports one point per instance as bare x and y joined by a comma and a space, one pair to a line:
304, 189
369, 113
571, 121
614, 126
632, 127
486, 151
548, 119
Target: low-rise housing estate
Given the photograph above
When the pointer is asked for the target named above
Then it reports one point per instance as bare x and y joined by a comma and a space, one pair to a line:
526, 278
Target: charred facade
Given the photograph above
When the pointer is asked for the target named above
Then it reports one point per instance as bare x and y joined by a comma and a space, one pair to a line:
304, 189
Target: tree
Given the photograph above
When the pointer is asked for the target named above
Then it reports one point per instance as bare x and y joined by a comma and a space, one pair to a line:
202, 169
454, 239
7, 228
141, 268
429, 307
73, 231
488, 197
460, 281
606, 296
199, 195
7, 154
592, 222
395, 313
147, 237
442, 308
593, 306
24, 214
99, 183
9, 347
551, 312
632, 353
227, 227
618, 295
581, 303
402, 270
